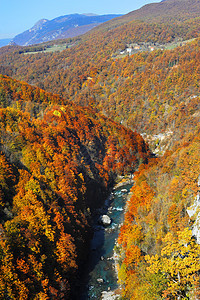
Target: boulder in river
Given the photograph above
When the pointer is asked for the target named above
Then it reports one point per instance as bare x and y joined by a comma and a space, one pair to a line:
100, 280
105, 220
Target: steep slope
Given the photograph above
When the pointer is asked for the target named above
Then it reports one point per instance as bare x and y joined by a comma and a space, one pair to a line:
66, 73
156, 92
180, 10
59, 28
159, 257
163, 11
57, 163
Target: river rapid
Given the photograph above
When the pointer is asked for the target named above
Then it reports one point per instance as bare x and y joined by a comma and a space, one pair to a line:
101, 274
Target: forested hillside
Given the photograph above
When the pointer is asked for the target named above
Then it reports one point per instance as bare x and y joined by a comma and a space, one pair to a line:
56, 165
58, 158
164, 11
159, 256
153, 91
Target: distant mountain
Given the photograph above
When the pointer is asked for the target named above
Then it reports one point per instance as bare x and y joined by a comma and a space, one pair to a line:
4, 42
62, 27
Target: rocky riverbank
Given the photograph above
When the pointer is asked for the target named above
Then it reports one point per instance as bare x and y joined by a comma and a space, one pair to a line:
123, 180
110, 295
100, 280
114, 295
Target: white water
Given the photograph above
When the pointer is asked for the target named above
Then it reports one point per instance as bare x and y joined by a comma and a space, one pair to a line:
102, 276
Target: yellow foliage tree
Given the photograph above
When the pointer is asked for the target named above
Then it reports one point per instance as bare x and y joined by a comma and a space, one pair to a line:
179, 262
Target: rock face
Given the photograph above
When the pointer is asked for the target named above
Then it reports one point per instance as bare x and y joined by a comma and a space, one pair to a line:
194, 211
105, 220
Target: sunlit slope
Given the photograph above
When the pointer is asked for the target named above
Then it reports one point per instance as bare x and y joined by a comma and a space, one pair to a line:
57, 163
159, 256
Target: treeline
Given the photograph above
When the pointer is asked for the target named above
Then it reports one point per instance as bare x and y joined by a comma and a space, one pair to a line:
56, 165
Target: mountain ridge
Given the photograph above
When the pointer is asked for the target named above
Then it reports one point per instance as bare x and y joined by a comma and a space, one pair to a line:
163, 11
61, 27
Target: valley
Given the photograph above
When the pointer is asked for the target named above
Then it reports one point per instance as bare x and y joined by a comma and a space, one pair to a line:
77, 114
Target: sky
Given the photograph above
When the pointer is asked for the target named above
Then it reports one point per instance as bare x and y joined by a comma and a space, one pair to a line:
17, 16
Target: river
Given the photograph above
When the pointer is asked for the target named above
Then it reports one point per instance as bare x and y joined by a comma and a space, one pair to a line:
101, 272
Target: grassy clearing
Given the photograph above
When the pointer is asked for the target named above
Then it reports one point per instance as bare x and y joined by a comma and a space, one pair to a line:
53, 48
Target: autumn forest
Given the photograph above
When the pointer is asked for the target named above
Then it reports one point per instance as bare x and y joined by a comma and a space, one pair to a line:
71, 123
